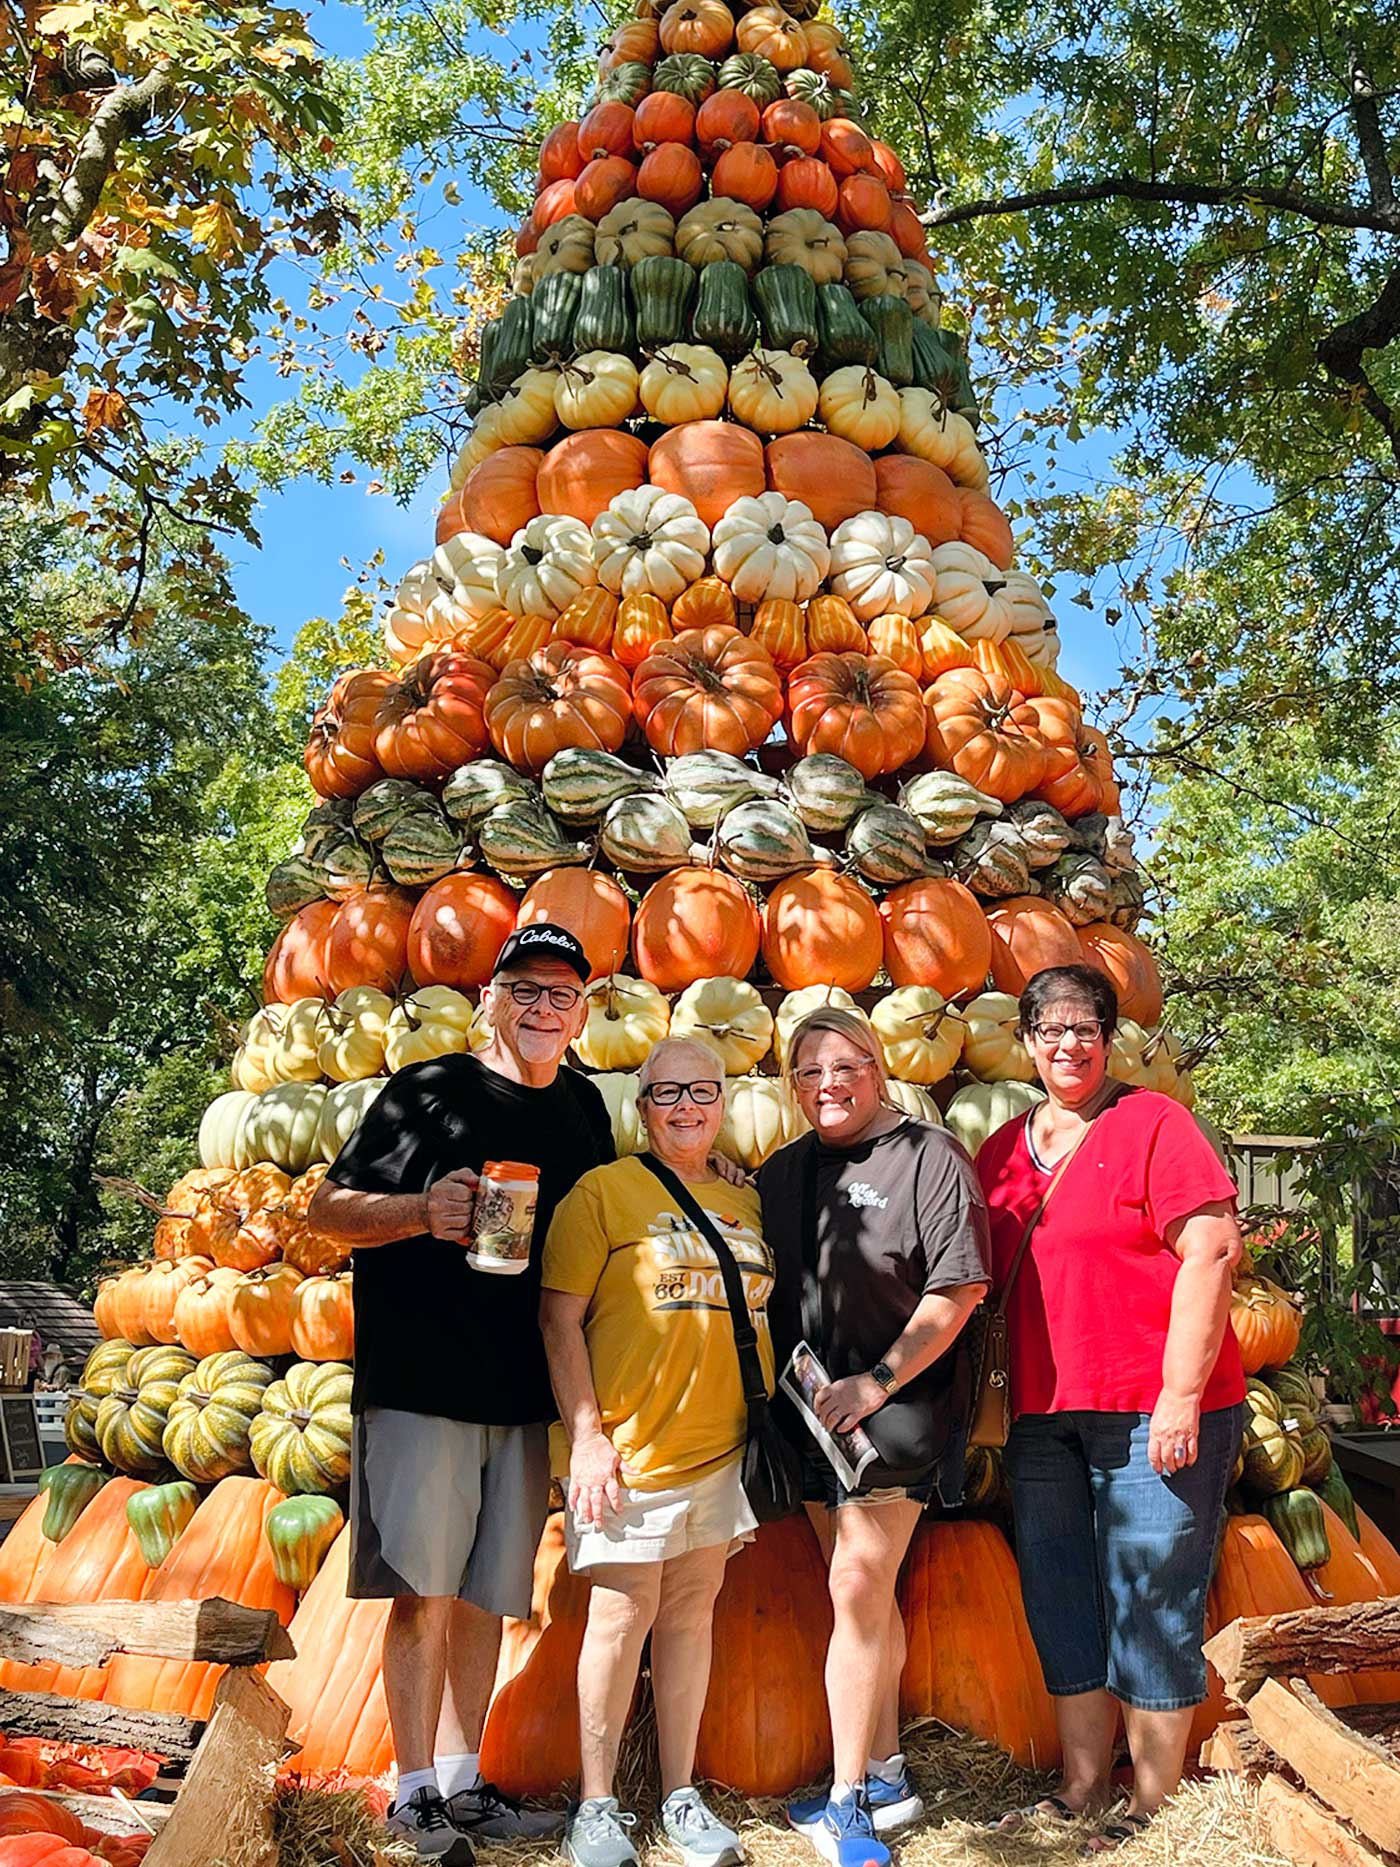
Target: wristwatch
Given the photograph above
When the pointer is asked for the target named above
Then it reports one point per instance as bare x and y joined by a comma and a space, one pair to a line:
885, 1375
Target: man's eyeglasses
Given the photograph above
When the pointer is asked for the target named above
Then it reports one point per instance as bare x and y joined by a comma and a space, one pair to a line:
526, 993
1086, 1031
667, 1095
840, 1075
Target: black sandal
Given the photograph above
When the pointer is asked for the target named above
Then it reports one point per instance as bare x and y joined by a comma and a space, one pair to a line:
1015, 1819
1114, 1834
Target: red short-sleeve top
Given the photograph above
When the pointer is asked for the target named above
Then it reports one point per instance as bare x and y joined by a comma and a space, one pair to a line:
1089, 1311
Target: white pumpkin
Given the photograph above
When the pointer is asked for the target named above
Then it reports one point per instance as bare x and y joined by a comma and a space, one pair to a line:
342, 1112
1042, 649
935, 433
991, 1050
795, 1007
771, 546
626, 1017
860, 406
223, 1131
485, 439
434, 1021
881, 566
684, 382
731, 1015
920, 1033
281, 1126
280, 1045
981, 1108
546, 565
648, 542
466, 564
760, 1116
910, 1100
618, 1088
421, 613
352, 1034
772, 392
1026, 604
596, 390
525, 413
967, 593
1127, 1060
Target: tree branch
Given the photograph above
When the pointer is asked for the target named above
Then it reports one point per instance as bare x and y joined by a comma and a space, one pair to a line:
1380, 218
1369, 134
1341, 350
62, 217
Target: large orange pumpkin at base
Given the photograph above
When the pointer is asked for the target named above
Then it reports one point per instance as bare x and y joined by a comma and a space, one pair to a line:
590, 905
530, 1743
1128, 965
458, 928
1027, 936
936, 934
694, 924
821, 928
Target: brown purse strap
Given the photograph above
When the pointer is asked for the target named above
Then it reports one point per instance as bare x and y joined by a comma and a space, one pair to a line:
1004, 1294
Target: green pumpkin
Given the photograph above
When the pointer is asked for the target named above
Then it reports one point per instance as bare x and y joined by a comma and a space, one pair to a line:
1293, 1387
752, 74
474, 790
301, 1439
104, 1370
886, 845
1334, 1490
343, 867
826, 98
991, 860
687, 74
69, 1489
643, 832
1273, 1457
158, 1515
723, 318
1045, 836
1080, 887
826, 792
521, 839
1317, 1455
300, 1531
207, 1436
1296, 1519
131, 1420
628, 83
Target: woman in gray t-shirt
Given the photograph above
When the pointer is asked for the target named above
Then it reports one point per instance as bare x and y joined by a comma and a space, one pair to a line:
879, 1236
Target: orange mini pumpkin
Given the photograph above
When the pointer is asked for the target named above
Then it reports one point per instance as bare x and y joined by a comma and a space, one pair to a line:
792, 128
1027, 936
779, 625
340, 758
861, 707
986, 732
662, 117
432, 719
604, 183
605, 131
725, 118
709, 688
863, 205
564, 695
642, 625
746, 173
704, 604
560, 156
807, 181
985, 527
671, 175
832, 628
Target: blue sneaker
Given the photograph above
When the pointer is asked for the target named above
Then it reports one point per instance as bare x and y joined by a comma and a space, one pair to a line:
846, 1836
894, 1806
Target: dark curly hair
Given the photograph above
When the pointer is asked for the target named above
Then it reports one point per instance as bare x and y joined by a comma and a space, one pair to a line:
1059, 985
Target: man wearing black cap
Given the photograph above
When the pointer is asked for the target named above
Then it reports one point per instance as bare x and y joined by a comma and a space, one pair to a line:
450, 1475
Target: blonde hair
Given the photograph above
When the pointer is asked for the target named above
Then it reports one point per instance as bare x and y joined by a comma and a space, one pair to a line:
841, 1023
667, 1046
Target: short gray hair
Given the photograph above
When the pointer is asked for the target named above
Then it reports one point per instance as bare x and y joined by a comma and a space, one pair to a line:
665, 1047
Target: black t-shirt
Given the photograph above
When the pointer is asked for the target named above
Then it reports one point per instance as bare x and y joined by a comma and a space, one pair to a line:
431, 1334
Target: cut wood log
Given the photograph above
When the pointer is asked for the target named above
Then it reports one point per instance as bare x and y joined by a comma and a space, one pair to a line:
1238, 1748
88, 1721
1361, 1637
88, 1634
1342, 1766
1381, 1722
1307, 1833
224, 1811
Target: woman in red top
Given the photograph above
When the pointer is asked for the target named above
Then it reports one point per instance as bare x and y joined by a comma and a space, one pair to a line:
1126, 1392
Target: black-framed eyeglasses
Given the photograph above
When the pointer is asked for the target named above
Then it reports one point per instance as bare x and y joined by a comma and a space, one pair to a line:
1086, 1030
839, 1075
526, 993
666, 1095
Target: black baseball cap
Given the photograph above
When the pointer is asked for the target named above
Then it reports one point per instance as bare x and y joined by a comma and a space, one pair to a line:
543, 940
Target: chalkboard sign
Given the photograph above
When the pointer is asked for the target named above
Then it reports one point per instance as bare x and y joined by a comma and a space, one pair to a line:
19, 1431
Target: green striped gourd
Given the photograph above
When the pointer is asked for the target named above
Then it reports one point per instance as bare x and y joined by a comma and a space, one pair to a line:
301, 1439
1295, 1516
644, 832
207, 1435
300, 1531
1044, 832
886, 844
1333, 1489
825, 792
131, 1420
476, 789
386, 803
69, 1489
1273, 1457
1317, 1454
325, 824
762, 840
706, 784
991, 860
292, 884
581, 784
521, 838
422, 846
946, 805
1292, 1386
343, 867
103, 1372
1080, 887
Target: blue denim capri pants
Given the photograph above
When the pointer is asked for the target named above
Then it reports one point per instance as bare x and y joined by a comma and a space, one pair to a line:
1115, 1559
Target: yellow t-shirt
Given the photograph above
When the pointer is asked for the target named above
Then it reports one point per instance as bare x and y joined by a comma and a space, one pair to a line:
659, 1333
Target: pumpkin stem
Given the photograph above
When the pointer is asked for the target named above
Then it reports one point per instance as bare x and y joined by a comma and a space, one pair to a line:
531, 554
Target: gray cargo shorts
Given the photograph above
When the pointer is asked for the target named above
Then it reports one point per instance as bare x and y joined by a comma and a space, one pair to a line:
445, 1507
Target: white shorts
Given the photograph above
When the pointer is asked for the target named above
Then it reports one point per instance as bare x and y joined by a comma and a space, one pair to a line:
654, 1526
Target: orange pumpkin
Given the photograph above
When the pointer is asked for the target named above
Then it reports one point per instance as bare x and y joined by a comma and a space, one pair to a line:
779, 625
793, 129
943, 648
580, 476
707, 602
458, 928
590, 905
296, 966
323, 1318
821, 928
24, 1814
636, 42
1006, 661
711, 463
807, 181
863, 204
694, 923
554, 203
702, 26
202, 1313
662, 117
747, 173
1344, 1580
499, 495
832, 627
896, 638
887, 163
725, 118
1380, 1552
984, 731
340, 759
936, 934
432, 719
774, 35
1129, 967
847, 149
160, 1290
905, 229
1079, 778
261, 1307
604, 183
916, 490
563, 695
672, 176
605, 131
191, 1194
527, 1747
368, 943
589, 620
1027, 936
828, 53
642, 624
832, 477
560, 158
985, 527
709, 688
485, 638
527, 241
861, 707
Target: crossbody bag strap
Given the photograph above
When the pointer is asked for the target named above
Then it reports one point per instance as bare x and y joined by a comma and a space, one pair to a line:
1004, 1294
745, 1335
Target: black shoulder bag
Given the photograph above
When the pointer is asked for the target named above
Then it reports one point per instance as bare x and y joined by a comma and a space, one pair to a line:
772, 1470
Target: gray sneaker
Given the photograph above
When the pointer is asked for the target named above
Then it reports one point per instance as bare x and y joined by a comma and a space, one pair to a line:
423, 1821
488, 1814
595, 1834
698, 1835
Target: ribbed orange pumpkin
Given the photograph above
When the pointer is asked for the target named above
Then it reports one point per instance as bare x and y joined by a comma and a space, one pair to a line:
161, 1289
458, 928
340, 758
960, 1585
888, 164
847, 148
747, 173
1027, 936
260, 1310
369, 940
563, 695
323, 1318
499, 496
694, 924
581, 475
432, 719
642, 625
861, 707
525, 636
296, 962
190, 1194
708, 689
897, 639
821, 928
833, 477
936, 934
23, 1813
1265, 1322
707, 604
1129, 967
560, 157
772, 1622
202, 1313
124, 1308
832, 628
905, 229
779, 625
916, 490
589, 620
553, 203
672, 176
1079, 777
590, 905
986, 732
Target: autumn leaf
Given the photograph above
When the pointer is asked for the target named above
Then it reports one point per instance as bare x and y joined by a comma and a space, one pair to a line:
104, 408
55, 286
214, 226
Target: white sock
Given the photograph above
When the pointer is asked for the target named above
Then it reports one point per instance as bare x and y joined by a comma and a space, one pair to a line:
409, 1780
888, 1769
461, 1770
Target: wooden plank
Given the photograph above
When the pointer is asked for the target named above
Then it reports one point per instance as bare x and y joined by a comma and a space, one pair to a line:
224, 1811
86, 1721
88, 1634
1355, 1776
1307, 1833
1358, 1637
1238, 1748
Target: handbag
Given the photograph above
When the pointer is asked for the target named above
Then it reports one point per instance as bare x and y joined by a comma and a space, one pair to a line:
988, 1335
772, 1468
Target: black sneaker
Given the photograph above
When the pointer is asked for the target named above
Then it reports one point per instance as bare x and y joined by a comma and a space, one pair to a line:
423, 1821
494, 1816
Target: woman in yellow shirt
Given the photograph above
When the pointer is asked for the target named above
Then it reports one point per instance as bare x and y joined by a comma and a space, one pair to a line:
641, 1349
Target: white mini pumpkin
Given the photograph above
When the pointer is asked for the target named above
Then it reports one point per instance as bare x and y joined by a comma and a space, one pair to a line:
796, 1006
991, 1050
466, 564
625, 1018
546, 565
730, 1014
1026, 604
421, 614
596, 390
352, 1035
760, 1115
1042, 649
525, 413
618, 1088
485, 438
967, 593
684, 382
772, 392
941, 435
860, 406
434, 1021
882, 566
771, 546
341, 1112
920, 1033
648, 542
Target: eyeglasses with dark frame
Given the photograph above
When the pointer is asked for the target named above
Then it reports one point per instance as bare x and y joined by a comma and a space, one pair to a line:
526, 993
1087, 1030
666, 1095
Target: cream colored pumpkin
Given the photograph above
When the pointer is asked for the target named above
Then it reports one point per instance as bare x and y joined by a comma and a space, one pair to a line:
626, 1017
1026, 605
421, 613
942, 436
596, 390
352, 1035
797, 1005
634, 230
720, 229
920, 1033
772, 392
770, 546
910, 1100
567, 246
522, 279
881, 566
485, 439
1042, 649
760, 1116
924, 298
874, 266
481, 1032
281, 1125
223, 1131
618, 1088
978, 1110
803, 237
546, 565
342, 1112
280, 1045
1161, 1065
526, 410
684, 382
648, 542
467, 563
991, 1050
1126, 1059
860, 406
967, 589
434, 1021
731, 1015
